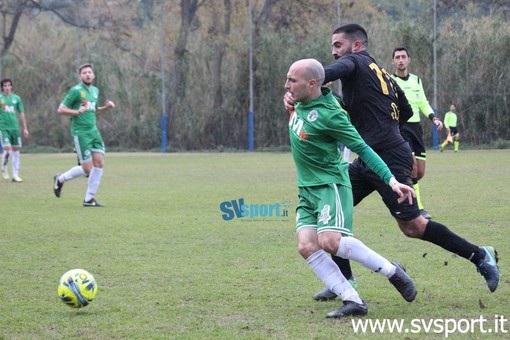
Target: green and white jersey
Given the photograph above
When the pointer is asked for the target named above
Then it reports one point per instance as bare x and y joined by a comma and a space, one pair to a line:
415, 95
450, 120
316, 128
82, 95
10, 106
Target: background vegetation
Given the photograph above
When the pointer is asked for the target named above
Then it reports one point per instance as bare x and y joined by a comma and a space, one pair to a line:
169, 267
189, 59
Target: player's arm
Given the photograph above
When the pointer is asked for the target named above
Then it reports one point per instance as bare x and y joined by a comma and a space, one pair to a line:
107, 106
427, 110
22, 118
66, 108
340, 69
66, 111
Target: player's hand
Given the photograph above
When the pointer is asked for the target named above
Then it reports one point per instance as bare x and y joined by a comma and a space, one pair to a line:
288, 101
438, 123
109, 104
82, 109
403, 191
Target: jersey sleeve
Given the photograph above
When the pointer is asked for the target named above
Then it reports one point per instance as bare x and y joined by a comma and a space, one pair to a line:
20, 106
71, 98
423, 104
340, 69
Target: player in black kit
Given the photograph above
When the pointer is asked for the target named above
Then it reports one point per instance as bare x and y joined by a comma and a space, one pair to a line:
376, 104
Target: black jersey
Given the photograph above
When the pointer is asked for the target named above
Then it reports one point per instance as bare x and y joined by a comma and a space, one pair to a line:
374, 101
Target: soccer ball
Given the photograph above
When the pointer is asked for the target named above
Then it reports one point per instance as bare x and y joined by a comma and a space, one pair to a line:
77, 288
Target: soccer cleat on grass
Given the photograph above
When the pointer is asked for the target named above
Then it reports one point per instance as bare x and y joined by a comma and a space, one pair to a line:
5, 175
57, 186
92, 203
425, 214
403, 283
488, 267
16, 179
326, 294
349, 308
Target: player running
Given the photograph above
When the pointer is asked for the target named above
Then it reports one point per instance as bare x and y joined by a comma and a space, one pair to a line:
375, 103
80, 104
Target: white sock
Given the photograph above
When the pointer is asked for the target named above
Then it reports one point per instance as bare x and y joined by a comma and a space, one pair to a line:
15, 163
94, 181
5, 160
74, 172
330, 274
353, 249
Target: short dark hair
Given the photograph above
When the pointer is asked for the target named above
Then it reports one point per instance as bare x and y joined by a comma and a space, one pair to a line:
85, 66
6, 80
353, 32
398, 49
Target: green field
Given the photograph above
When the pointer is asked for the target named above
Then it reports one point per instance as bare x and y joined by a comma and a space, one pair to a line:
169, 266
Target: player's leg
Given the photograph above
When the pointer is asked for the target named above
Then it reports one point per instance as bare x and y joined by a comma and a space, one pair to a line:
96, 172
84, 156
414, 135
335, 219
6, 148
318, 259
456, 141
485, 258
15, 156
447, 141
414, 225
360, 189
353, 249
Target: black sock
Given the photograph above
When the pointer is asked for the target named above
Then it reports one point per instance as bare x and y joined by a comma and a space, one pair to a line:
344, 265
440, 235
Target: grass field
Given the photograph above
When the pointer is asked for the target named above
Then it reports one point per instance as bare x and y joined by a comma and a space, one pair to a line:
169, 266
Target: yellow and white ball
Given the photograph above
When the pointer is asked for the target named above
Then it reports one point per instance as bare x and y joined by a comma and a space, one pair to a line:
77, 288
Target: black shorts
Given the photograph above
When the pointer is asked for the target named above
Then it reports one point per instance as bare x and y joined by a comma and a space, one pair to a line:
413, 134
364, 181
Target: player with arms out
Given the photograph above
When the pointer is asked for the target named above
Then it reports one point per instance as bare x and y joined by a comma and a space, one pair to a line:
10, 107
324, 212
412, 131
80, 104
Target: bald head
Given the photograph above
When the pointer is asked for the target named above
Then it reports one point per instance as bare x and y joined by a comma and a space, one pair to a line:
304, 79
312, 69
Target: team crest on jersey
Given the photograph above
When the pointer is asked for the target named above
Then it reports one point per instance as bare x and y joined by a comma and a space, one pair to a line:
325, 215
83, 94
312, 116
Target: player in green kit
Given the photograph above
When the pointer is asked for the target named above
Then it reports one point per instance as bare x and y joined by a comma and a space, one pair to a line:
324, 212
10, 138
80, 104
